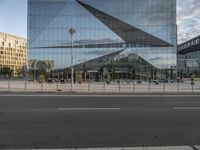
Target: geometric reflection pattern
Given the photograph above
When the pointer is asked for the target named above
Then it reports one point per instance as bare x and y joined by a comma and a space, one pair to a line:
129, 38
42, 23
127, 32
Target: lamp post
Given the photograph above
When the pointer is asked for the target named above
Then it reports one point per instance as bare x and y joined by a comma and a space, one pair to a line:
72, 32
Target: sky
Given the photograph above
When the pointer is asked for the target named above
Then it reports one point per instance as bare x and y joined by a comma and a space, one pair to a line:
13, 17
188, 19
13, 14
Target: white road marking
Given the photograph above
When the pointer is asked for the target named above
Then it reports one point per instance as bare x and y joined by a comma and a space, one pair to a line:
83, 109
187, 108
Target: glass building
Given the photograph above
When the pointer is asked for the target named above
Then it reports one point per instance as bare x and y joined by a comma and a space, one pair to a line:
189, 58
129, 39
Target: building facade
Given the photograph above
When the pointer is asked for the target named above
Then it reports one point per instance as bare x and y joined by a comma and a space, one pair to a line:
130, 39
13, 52
189, 58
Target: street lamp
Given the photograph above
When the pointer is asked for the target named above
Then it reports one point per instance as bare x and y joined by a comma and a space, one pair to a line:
72, 32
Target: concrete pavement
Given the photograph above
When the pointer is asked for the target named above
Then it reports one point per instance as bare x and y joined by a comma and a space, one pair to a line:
100, 87
136, 148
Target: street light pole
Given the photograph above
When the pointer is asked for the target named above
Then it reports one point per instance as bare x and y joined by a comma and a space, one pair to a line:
72, 32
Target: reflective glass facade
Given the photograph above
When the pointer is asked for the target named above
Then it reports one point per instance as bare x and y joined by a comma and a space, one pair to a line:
189, 58
137, 37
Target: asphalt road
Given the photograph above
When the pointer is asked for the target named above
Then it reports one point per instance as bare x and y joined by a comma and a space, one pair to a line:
98, 121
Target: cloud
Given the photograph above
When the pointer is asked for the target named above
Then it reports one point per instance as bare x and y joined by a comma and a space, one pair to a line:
188, 19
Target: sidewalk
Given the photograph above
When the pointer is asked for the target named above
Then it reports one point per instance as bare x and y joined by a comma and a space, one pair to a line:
96, 87
139, 148
101, 94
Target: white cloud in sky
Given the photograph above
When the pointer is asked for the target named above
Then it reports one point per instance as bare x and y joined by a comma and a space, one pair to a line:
188, 19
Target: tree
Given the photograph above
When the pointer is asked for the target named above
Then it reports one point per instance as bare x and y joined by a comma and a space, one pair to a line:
19, 71
6, 71
41, 78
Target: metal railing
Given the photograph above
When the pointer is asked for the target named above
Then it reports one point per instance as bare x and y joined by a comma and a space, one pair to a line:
100, 87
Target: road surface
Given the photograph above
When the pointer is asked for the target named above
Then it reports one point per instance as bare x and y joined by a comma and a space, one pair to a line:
98, 121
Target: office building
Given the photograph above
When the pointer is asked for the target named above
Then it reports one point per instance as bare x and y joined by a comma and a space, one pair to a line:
13, 52
119, 39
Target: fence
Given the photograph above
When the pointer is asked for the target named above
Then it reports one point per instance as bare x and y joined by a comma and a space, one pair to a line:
95, 87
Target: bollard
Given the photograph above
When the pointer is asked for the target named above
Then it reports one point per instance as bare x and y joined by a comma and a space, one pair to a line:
25, 86
134, 86
104, 87
88, 86
57, 86
8, 85
192, 88
192, 83
163, 87
41, 86
119, 87
177, 86
149, 87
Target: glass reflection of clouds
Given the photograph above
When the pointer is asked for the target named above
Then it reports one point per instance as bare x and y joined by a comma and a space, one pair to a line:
49, 21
